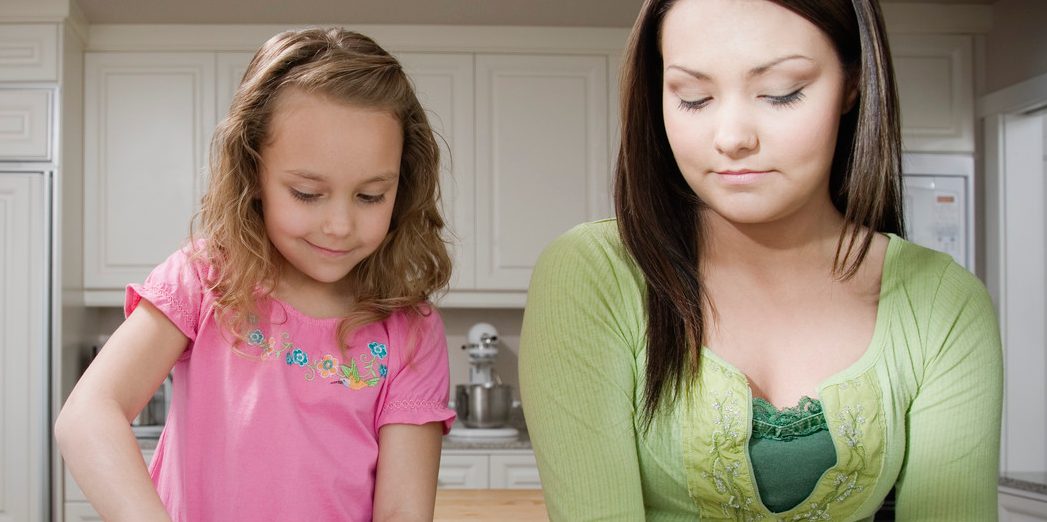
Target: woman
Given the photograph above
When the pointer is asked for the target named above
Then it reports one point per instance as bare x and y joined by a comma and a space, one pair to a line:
752, 339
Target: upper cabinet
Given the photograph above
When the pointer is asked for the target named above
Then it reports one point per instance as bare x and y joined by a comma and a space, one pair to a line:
148, 118
524, 144
935, 90
542, 151
25, 124
28, 52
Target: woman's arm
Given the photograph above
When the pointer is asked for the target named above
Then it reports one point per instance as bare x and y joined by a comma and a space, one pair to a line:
408, 464
952, 454
578, 378
94, 427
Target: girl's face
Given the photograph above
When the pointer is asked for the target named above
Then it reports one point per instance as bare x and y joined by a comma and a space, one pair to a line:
328, 183
752, 99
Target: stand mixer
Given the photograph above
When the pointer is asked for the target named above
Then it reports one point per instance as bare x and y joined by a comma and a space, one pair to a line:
484, 404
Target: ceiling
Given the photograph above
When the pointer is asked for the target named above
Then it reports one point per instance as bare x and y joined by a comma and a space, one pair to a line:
563, 13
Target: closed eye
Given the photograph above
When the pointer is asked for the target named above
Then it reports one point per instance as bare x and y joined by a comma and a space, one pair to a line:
371, 199
695, 105
304, 196
787, 100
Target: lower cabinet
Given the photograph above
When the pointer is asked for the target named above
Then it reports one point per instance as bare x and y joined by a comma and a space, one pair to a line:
1018, 506
483, 469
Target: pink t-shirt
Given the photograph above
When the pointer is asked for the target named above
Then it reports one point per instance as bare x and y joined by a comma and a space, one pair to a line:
284, 427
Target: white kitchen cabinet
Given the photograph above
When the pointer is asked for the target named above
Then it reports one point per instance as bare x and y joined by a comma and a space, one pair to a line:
80, 512
29, 52
515, 471
25, 124
935, 90
463, 471
1017, 506
483, 469
147, 127
534, 125
24, 353
541, 155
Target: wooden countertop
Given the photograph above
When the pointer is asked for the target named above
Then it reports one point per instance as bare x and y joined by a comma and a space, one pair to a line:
509, 505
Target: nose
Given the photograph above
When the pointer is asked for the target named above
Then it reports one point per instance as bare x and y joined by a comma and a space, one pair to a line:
338, 220
736, 136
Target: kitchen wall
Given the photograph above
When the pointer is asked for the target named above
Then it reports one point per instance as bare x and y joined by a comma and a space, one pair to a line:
457, 322
1016, 46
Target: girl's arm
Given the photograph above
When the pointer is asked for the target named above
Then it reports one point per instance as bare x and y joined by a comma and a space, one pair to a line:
94, 427
952, 452
408, 464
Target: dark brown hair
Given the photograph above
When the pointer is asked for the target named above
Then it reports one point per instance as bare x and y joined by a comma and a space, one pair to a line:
409, 265
658, 213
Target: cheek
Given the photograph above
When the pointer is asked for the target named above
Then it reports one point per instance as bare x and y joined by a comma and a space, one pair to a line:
685, 135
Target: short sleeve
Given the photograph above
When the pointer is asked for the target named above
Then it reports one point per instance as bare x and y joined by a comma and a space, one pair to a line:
176, 288
417, 391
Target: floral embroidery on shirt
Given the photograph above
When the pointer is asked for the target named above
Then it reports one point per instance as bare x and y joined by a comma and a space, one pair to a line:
377, 350
356, 372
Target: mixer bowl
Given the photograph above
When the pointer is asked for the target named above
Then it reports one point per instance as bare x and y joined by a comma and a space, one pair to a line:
484, 405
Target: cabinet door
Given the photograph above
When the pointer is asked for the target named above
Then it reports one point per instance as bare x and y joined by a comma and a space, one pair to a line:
514, 472
935, 91
148, 119
230, 70
462, 472
25, 122
24, 432
444, 85
29, 52
541, 158
1020, 509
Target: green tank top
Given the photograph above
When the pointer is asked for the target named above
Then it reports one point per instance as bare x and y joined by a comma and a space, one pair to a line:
789, 449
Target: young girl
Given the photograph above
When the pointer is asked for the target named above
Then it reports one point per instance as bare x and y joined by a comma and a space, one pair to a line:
310, 373
752, 339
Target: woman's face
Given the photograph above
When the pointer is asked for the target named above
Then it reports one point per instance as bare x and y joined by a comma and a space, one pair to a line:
752, 99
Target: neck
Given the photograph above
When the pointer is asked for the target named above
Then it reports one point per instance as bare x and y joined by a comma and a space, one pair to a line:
804, 241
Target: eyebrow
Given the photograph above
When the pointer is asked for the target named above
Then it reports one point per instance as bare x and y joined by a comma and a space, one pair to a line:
312, 176
755, 71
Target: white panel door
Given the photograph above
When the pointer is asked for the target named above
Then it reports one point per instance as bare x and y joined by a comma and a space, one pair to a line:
25, 122
29, 52
935, 91
148, 119
462, 472
541, 158
24, 432
514, 472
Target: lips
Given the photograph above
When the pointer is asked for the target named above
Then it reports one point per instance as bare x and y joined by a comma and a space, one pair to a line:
741, 176
328, 251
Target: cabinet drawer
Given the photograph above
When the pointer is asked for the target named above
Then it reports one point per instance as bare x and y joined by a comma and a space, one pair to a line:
25, 134
514, 472
463, 472
29, 52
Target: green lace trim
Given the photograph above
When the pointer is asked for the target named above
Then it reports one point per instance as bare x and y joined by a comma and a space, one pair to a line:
788, 423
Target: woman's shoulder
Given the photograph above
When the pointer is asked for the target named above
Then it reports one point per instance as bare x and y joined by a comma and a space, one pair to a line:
588, 243
932, 281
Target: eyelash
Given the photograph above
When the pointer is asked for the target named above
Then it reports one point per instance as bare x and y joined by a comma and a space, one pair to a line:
783, 102
366, 199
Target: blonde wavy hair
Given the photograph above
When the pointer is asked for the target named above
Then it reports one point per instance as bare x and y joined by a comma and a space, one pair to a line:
409, 266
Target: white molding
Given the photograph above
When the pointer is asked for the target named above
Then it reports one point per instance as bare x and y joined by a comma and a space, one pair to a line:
432, 38
1019, 97
937, 18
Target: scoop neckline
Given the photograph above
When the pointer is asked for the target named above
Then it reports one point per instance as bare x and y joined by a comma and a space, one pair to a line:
291, 310
872, 351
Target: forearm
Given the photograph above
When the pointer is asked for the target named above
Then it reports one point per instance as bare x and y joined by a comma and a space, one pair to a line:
103, 456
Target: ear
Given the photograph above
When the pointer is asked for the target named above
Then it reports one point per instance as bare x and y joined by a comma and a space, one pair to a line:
850, 95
